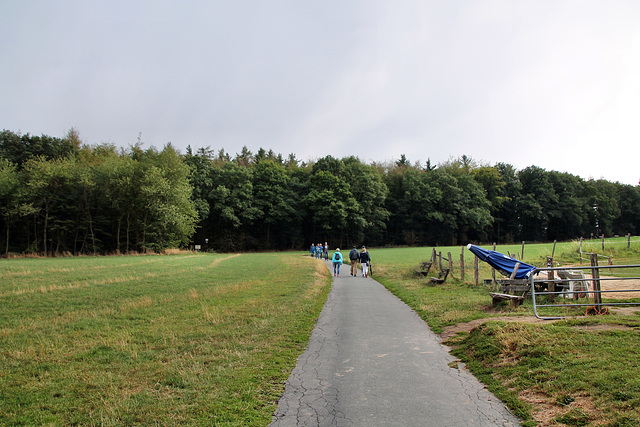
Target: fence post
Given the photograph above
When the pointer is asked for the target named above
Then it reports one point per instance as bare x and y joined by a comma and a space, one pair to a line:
440, 261
551, 276
595, 274
433, 257
522, 254
628, 240
462, 264
580, 251
476, 272
450, 264
602, 242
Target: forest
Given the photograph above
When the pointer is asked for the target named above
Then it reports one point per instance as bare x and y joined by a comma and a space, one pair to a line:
59, 196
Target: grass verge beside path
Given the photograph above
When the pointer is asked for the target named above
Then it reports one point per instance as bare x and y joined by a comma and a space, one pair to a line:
153, 340
576, 372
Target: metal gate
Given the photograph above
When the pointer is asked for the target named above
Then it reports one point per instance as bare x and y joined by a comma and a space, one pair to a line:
579, 287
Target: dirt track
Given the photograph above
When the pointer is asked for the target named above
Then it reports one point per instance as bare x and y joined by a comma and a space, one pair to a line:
617, 284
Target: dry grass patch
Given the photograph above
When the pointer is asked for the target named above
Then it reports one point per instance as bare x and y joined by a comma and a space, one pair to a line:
153, 340
219, 260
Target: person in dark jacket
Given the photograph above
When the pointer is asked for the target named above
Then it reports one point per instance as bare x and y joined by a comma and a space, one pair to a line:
365, 259
354, 257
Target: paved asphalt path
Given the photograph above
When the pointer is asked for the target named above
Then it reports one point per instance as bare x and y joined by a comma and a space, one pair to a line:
372, 361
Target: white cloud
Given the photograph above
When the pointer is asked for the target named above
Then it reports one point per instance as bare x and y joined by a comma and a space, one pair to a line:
550, 83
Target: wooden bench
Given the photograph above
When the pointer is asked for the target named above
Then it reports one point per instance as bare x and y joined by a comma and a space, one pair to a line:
442, 276
514, 300
424, 268
514, 289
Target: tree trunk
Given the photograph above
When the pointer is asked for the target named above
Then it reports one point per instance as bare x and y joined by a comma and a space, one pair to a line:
128, 230
118, 233
93, 236
44, 232
6, 251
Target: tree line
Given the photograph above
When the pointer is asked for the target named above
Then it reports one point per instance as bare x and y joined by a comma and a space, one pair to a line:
58, 195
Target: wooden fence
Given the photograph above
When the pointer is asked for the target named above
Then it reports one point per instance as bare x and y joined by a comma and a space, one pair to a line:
440, 260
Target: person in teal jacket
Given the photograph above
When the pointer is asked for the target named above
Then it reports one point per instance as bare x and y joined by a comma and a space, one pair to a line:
337, 262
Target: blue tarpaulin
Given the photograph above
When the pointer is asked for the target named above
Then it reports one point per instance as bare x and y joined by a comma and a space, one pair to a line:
503, 263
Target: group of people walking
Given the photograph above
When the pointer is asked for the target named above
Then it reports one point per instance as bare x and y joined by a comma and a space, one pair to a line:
355, 257
361, 257
320, 251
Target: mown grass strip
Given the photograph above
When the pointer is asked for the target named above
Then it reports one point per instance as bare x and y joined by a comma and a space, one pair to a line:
166, 340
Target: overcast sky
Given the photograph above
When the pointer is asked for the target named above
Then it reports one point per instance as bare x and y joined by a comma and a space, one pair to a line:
551, 83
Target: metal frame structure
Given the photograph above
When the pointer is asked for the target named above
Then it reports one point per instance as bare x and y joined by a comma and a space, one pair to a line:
595, 279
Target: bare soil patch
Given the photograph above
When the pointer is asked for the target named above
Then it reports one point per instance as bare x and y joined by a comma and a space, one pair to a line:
606, 285
451, 331
611, 284
545, 409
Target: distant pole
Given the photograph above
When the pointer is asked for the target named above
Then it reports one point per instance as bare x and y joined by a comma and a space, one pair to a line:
554, 248
462, 264
628, 240
580, 251
522, 254
603, 242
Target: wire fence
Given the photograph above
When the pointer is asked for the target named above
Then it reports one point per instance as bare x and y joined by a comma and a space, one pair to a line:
602, 243
585, 247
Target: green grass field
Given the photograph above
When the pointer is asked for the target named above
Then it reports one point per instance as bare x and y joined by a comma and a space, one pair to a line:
576, 372
210, 339
153, 340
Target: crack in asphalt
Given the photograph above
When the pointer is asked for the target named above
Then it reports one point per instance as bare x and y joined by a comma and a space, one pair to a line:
371, 361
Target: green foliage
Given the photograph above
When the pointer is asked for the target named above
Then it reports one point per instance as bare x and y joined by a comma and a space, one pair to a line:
95, 200
275, 200
11, 205
19, 148
165, 189
330, 202
137, 200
